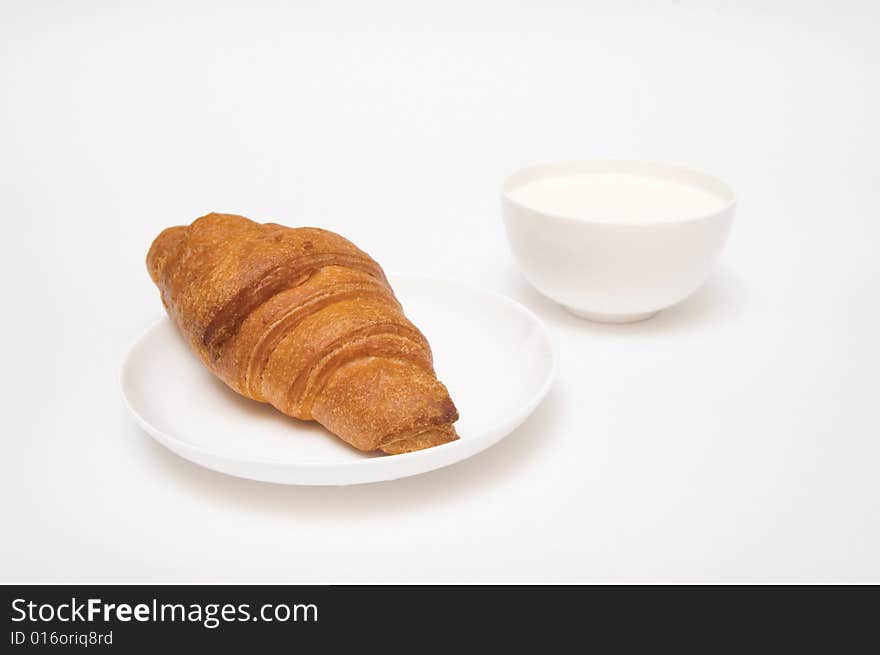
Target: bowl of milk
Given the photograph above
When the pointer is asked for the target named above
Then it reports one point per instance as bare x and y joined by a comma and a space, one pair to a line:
616, 241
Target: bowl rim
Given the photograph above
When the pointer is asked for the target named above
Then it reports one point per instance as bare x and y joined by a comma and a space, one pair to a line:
634, 166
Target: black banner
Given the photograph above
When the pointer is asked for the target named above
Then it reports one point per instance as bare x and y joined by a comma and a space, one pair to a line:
147, 618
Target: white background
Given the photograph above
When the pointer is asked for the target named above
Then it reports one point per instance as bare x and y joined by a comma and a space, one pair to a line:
735, 437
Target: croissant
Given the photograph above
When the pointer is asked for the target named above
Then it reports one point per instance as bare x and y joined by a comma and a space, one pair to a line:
304, 320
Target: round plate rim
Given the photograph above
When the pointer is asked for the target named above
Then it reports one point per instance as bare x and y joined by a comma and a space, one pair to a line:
369, 469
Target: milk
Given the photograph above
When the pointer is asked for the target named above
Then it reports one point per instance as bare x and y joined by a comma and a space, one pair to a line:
618, 197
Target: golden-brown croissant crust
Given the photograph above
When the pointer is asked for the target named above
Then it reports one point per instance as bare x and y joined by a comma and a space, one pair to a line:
304, 320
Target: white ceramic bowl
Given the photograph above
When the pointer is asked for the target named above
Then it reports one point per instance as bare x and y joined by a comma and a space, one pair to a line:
616, 241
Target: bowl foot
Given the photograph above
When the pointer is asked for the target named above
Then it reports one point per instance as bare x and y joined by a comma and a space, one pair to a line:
599, 317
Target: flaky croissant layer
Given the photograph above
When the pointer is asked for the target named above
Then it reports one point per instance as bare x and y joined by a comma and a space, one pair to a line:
304, 320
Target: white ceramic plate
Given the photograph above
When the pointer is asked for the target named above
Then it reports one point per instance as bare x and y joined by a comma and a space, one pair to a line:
492, 353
